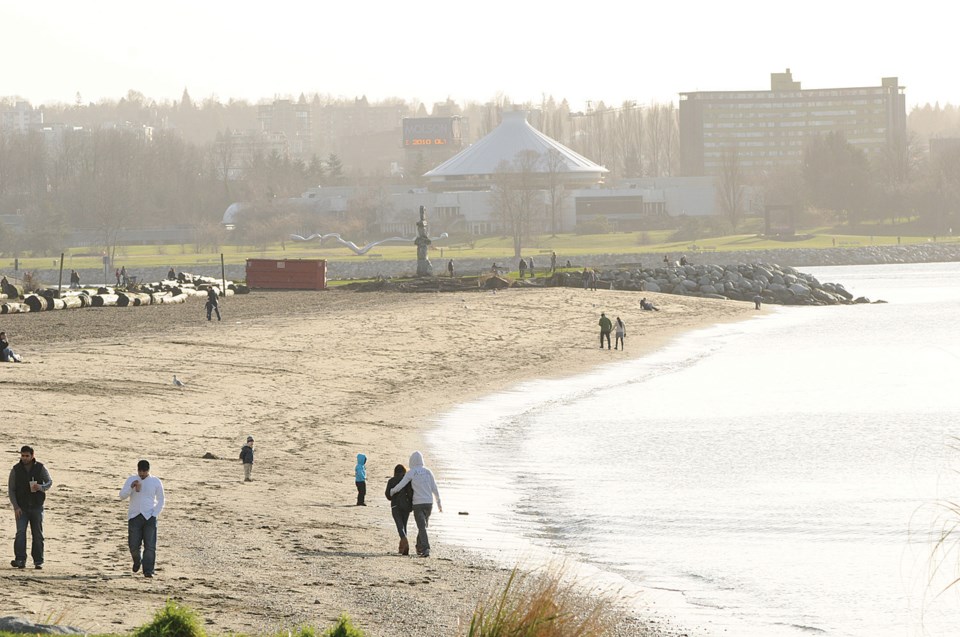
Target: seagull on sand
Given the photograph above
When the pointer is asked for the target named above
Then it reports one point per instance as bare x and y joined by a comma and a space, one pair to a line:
177, 382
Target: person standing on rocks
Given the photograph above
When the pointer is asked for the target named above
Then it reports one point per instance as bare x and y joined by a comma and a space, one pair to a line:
450, 267
605, 327
246, 458
621, 331
522, 267
530, 267
27, 487
553, 262
146, 503
424, 491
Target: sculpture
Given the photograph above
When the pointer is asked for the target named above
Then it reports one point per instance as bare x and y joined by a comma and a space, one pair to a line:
424, 267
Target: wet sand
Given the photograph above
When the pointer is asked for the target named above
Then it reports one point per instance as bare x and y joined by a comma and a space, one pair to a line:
315, 377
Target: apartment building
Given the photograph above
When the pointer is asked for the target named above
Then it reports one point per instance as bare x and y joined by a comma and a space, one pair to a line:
21, 118
768, 130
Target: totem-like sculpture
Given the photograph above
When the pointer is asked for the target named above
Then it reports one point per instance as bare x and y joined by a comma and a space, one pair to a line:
424, 267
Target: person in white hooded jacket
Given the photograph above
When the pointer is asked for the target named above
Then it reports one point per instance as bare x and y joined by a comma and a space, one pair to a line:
424, 490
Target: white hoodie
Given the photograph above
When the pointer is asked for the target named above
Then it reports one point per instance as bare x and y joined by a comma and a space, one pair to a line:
424, 485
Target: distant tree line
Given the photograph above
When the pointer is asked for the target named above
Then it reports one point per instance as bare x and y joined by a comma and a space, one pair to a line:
108, 177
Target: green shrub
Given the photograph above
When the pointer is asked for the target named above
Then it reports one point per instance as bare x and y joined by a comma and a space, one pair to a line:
541, 606
173, 620
343, 628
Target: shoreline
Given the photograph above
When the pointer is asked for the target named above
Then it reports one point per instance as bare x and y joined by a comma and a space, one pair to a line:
315, 378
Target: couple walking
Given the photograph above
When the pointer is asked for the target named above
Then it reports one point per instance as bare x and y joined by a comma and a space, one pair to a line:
413, 491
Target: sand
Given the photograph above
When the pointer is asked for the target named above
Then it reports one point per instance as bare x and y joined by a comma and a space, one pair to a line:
315, 377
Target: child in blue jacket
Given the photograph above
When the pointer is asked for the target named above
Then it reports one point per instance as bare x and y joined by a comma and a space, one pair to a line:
361, 475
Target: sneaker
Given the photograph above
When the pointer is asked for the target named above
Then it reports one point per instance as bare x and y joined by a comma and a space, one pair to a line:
425, 554
150, 575
16, 564
38, 567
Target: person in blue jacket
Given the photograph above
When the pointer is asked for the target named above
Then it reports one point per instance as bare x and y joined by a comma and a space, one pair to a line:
361, 476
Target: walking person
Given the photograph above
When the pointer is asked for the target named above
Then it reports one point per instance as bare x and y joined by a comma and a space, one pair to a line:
401, 505
213, 304
27, 487
553, 262
530, 267
586, 278
117, 273
123, 275
246, 458
593, 280
621, 331
522, 267
146, 502
605, 327
74, 279
450, 267
757, 300
360, 472
424, 491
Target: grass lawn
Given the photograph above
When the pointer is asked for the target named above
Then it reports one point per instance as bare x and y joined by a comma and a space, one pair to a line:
494, 249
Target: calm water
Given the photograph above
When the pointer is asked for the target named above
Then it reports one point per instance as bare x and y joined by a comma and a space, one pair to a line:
775, 477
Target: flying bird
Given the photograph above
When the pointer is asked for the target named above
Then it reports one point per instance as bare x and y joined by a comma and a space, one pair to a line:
177, 382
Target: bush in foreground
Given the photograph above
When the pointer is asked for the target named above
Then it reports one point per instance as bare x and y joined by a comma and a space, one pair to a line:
540, 606
343, 628
173, 620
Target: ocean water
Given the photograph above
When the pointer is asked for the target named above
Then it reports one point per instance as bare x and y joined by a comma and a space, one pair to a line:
784, 475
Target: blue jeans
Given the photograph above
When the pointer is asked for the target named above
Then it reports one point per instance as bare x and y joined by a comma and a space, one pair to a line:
33, 517
400, 517
421, 514
143, 531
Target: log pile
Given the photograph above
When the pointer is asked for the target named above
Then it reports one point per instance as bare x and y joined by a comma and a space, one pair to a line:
160, 293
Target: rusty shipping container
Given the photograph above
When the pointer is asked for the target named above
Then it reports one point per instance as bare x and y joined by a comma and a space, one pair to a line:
287, 274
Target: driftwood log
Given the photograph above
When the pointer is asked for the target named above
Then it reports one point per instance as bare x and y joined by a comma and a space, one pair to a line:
103, 300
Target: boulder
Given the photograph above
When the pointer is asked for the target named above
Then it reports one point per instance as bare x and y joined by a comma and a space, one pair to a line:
17, 625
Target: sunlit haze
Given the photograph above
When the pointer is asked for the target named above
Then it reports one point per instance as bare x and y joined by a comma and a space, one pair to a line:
430, 50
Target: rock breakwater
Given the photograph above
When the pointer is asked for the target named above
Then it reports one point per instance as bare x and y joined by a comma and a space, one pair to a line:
772, 283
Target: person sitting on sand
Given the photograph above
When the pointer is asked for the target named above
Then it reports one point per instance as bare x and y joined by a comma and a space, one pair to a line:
7, 355
647, 305
401, 505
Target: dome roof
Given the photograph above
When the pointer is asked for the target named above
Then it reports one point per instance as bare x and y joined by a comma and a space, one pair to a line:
514, 135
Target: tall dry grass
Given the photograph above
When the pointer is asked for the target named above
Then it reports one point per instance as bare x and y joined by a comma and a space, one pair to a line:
542, 605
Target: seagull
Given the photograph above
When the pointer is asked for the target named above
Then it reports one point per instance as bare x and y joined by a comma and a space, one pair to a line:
177, 382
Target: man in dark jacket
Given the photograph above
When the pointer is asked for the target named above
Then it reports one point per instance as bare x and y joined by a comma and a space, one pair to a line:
27, 487
213, 305
605, 327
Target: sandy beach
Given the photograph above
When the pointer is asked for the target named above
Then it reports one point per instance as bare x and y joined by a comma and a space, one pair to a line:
315, 377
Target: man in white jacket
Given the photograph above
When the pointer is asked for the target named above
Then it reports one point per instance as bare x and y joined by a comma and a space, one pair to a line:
146, 502
424, 490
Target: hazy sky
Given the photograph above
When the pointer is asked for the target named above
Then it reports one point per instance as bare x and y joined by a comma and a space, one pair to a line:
613, 51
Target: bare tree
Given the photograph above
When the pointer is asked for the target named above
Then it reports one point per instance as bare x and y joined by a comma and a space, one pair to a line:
730, 191
514, 196
556, 192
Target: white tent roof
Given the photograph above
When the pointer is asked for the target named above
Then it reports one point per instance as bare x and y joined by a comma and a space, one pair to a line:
511, 137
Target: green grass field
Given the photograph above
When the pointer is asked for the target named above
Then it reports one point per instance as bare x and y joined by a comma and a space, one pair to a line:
499, 249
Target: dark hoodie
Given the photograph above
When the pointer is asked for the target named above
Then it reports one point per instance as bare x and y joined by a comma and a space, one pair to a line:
403, 499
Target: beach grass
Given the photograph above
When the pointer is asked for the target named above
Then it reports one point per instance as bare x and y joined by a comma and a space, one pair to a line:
543, 605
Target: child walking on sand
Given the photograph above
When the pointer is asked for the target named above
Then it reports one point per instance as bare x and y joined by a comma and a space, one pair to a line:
361, 477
